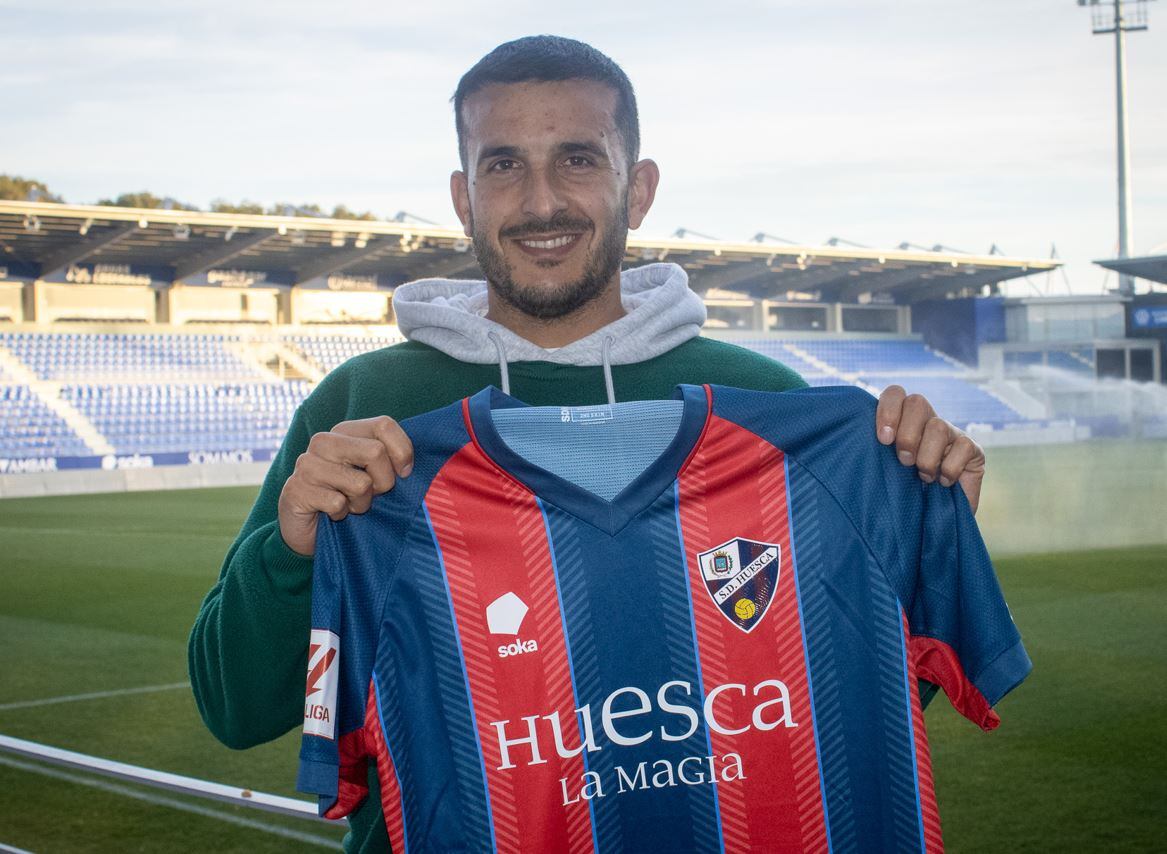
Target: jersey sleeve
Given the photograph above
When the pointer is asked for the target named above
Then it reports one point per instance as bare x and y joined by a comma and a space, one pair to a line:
962, 637
333, 754
961, 633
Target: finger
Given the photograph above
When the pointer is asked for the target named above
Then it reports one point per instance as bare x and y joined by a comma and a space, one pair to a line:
350, 450
914, 417
962, 454
887, 413
321, 499
386, 431
971, 482
355, 485
933, 445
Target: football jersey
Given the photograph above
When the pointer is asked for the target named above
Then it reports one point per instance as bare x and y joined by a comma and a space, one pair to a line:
691, 625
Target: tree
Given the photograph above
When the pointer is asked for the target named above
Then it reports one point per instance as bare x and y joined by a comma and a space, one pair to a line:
17, 189
243, 207
341, 212
145, 199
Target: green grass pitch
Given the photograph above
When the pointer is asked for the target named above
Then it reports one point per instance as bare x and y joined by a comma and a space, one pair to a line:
97, 593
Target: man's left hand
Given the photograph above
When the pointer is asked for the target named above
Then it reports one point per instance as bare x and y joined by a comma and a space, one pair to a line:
937, 449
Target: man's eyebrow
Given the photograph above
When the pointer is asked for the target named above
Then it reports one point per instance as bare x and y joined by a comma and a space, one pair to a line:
499, 151
583, 148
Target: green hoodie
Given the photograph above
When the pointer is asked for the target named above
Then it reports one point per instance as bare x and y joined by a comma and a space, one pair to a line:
248, 651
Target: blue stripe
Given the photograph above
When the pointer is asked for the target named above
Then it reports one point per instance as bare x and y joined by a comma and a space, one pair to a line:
912, 735
696, 652
389, 750
462, 660
805, 651
570, 660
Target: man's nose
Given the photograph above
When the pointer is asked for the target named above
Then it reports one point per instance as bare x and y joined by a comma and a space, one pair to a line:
543, 195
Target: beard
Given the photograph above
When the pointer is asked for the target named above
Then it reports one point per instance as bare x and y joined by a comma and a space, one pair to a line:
547, 301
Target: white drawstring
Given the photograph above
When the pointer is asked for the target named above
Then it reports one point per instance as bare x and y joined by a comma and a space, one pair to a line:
502, 362
605, 357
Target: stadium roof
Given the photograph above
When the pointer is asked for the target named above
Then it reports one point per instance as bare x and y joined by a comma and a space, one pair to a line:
1153, 268
43, 240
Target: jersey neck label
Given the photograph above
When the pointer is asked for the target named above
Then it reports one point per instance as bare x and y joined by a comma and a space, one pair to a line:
586, 414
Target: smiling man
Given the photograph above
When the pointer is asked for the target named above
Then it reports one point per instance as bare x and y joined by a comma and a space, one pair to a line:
551, 182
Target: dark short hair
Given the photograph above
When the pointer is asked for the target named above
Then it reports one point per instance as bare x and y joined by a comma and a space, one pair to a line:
547, 59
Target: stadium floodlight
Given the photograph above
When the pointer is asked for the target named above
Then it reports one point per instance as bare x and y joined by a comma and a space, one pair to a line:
231, 232
406, 216
762, 237
682, 233
1120, 17
362, 240
143, 223
83, 229
835, 241
337, 239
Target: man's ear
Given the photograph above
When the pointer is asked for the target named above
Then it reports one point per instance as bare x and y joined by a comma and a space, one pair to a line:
642, 181
460, 195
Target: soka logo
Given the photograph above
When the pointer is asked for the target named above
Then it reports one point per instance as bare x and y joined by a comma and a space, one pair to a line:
741, 576
320, 695
504, 616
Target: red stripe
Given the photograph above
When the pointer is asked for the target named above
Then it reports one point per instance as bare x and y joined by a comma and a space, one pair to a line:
937, 662
933, 841
391, 800
493, 541
735, 486
352, 782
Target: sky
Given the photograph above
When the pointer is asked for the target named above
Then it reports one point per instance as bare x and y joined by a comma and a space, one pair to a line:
961, 124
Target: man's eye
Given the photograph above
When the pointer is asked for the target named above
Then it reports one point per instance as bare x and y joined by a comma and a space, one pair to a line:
504, 165
578, 160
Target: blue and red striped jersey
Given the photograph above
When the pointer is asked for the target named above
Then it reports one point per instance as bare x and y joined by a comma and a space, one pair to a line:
695, 627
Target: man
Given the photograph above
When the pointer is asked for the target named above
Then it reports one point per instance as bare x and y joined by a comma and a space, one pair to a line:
550, 183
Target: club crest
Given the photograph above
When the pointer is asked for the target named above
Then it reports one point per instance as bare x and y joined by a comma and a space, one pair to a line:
741, 576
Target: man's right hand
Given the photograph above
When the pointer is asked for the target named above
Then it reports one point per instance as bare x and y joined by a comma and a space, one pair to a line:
340, 473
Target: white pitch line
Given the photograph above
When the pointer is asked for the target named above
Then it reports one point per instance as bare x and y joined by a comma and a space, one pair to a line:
12, 849
92, 695
160, 800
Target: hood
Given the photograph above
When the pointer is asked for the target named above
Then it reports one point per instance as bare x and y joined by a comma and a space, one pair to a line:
449, 315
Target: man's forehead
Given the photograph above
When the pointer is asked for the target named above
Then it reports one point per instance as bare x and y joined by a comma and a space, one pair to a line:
512, 109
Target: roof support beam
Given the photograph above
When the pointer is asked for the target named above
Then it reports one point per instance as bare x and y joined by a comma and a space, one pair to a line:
938, 286
727, 277
63, 258
876, 282
335, 262
449, 267
195, 264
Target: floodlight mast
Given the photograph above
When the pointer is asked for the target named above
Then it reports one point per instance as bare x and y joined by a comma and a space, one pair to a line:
1120, 26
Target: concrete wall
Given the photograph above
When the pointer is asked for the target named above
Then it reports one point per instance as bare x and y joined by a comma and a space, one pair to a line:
75, 481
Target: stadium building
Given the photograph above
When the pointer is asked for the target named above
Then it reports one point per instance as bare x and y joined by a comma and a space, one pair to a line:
151, 348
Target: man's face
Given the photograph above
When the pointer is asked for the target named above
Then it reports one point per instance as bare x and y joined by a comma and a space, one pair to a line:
545, 196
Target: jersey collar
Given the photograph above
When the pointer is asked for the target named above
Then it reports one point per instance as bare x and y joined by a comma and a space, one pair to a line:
610, 516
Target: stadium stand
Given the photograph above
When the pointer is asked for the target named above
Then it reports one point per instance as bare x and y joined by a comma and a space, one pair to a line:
160, 393
79, 357
329, 351
30, 429
893, 356
164, 418
955, 399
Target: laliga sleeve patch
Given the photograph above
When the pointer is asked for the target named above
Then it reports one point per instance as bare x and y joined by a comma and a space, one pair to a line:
320, 695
